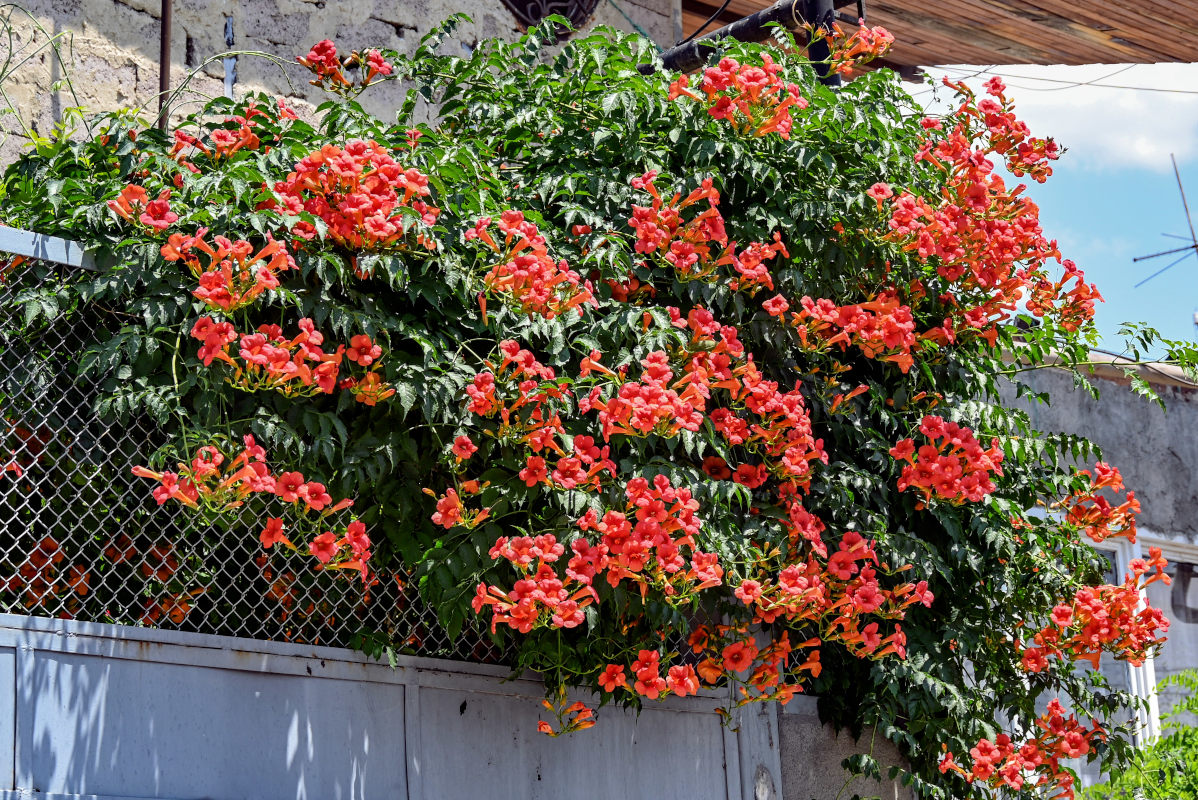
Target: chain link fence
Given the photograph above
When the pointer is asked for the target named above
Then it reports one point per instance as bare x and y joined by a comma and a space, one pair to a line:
85, 539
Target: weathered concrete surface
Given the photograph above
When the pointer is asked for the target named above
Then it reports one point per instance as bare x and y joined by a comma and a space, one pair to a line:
811, 754
110, 47
1157, 451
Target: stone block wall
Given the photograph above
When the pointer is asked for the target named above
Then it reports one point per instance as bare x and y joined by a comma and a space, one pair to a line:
110, 48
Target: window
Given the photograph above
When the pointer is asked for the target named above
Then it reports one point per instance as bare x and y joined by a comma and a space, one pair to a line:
1180, 604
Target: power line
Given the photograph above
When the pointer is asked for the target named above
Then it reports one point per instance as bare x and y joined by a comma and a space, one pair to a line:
1076, 84
703, 27
1092, 82
933, 88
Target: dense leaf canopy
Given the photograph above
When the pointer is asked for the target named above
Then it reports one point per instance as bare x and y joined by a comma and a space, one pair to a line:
731, 347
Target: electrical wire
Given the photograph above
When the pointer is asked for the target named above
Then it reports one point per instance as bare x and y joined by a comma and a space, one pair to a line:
981, 71
1076, 84
709, 20
1092, 82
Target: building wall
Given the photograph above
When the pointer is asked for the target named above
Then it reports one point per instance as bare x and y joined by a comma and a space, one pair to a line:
110, 47
1155, 449
811, 754
1157, 452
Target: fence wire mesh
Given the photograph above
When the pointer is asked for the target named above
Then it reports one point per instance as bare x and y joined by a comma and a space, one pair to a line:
85, 540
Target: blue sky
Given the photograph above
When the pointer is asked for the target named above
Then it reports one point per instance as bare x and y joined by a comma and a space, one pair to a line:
1114, 193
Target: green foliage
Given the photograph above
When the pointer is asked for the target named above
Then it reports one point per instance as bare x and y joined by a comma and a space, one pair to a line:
560, 135
1167, 768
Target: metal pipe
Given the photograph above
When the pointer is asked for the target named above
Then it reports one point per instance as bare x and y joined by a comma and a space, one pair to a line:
791, 14
822, 14
164, 63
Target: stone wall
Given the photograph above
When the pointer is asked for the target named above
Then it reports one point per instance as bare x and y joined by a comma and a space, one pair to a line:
110, 47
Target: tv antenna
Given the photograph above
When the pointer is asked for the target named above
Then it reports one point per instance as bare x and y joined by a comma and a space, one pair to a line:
1186, 250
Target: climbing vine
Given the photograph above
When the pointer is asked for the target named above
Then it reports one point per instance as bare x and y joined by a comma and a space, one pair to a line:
670, 383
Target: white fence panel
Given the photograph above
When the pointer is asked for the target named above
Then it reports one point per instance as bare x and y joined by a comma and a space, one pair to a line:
101, 712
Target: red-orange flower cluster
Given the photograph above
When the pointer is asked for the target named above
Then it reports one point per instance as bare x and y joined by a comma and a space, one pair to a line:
1037, 762
647, 542
754, 100
539, 598
713, 366
1094, 515
731, 652
155, 214
351, 550
845, 589
234, 275
268, 360
865, 44
953, 466
1108, 618
984, 238
237, 133
322, 60
696, 247
521, 392
360, 193
570, 717
680, 680
882, 328
209, 482
526, 274
218, 486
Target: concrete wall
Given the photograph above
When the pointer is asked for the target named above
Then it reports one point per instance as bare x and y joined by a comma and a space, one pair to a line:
1157, 451
98, 712
111, 46
811, 756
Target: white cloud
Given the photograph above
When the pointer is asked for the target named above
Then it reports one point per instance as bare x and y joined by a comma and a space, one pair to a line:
1104, 127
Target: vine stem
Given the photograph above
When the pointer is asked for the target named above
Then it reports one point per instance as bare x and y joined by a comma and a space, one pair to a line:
170, 98
7, 68
179, 394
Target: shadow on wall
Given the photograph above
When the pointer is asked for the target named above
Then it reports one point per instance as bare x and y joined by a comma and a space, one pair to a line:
144, 729
811, 756
107, 712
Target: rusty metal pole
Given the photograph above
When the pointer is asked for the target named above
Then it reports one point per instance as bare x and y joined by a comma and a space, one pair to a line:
790, 14
164, 63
